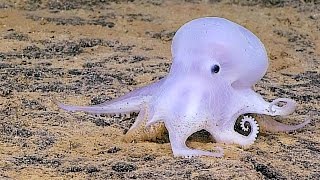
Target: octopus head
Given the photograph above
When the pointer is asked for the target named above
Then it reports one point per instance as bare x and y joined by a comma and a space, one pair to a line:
215, 47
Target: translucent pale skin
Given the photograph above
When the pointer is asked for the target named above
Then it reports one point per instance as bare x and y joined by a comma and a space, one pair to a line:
193, 97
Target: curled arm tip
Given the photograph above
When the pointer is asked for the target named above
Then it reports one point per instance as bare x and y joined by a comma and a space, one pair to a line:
284, 110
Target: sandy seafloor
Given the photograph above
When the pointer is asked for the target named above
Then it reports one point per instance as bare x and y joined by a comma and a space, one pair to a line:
86, 52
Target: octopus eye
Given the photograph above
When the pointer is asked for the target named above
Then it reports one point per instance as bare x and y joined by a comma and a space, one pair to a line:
215, 69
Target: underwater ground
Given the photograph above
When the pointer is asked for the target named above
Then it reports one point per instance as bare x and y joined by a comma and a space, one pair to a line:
86, 52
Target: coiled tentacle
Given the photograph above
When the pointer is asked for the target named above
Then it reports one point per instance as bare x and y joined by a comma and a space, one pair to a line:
287, 109
253, 131
228, 135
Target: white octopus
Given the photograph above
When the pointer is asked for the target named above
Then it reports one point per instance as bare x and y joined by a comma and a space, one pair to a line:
216, 62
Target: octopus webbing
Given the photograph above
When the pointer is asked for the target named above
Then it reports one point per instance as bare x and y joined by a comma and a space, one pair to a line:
215, 64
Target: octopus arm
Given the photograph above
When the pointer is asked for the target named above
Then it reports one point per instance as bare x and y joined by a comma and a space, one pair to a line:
256, 104
127, 105
130, 102
268, 124
228, 135
259, 105
252, 136
148, 90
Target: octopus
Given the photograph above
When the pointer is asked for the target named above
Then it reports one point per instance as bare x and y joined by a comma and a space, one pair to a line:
216, 63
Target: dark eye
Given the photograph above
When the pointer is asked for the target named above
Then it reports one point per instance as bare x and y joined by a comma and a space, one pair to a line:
215, 69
